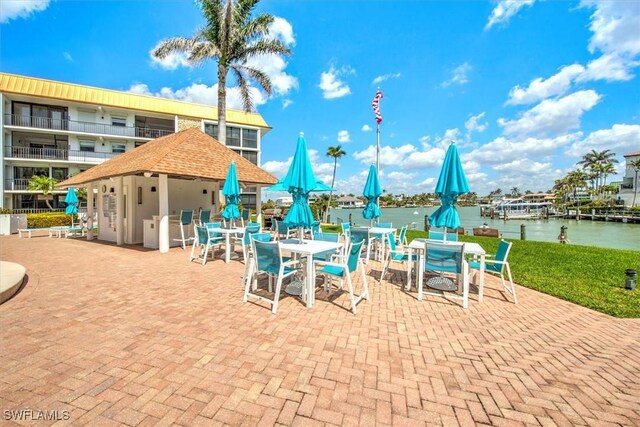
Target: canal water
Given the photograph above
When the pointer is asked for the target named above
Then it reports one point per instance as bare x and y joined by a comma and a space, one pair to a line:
583, 232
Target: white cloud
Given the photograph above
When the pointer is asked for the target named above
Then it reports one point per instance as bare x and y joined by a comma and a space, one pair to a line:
366, 128
389, 156
321, 169
400, 176
171, 61
67, 56
523, 166
473, 125
552, 115
380, 79
286, 103
620, 138
428, 158
539, 89
344, 137
505, 10
615, 26
610, 67
20, 9
281, 29
201, 94
274, 67
504, 150
331, 85
460, 75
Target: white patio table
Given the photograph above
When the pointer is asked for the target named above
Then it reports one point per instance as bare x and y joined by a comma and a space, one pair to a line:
309, 248
469, 249
375, 231
227, 233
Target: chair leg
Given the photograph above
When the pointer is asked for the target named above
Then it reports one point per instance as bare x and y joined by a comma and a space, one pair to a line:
365, 286
276, 297
465, 286
350, 288
182, 235
249, 281
385, 265
193, 250
206, 254
513, 288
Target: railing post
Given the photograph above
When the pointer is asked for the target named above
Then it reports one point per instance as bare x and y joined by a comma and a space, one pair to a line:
523, 232
350, 222
427, 226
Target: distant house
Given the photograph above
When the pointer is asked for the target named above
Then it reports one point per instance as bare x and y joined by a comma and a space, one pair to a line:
349, 202
284, 201
539, 197
629, 183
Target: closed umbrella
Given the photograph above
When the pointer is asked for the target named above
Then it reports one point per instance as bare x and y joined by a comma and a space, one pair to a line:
372, 190
72, 202
299, 182
231, 192
451, 184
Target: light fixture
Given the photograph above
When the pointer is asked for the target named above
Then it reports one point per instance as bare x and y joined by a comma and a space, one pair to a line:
204, 191
148, 174
153, 189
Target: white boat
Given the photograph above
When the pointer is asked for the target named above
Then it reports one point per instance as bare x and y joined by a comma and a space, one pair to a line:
520, 209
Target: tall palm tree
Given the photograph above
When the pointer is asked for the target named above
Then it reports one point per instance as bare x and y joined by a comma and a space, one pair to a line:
635, 165
335, 152
596, 161
515, 192
44, 184
230, 36
607, 169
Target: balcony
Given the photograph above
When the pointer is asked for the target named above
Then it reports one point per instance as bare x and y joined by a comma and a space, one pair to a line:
57, 154
83, 127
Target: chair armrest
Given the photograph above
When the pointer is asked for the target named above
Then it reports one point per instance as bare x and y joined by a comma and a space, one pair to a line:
291, 263
327, 264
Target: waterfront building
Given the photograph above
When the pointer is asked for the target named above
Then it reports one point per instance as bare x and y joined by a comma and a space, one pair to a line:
539, 197
59, 129
629, 182
347, 202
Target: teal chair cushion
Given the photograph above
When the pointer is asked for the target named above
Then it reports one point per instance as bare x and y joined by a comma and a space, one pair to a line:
333, 270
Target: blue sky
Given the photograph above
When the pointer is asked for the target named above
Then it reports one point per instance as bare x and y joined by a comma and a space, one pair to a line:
524, 87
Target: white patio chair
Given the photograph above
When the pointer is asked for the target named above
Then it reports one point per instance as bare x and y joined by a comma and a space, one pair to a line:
496, 265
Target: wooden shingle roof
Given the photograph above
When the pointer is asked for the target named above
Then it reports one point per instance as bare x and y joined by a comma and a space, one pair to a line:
188, 154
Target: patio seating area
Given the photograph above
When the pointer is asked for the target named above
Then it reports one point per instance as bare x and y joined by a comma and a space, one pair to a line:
160, 341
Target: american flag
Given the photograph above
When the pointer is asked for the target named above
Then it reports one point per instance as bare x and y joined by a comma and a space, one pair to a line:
376, 106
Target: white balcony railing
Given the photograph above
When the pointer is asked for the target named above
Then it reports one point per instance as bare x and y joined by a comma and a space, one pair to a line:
83, 127
57, 154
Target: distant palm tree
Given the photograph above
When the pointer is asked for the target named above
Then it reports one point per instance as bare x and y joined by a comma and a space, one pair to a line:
44, 184
515, 192
335, 152
635, 165
596, 161
230, 36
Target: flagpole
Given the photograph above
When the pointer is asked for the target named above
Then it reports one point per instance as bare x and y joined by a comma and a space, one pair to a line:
378, 148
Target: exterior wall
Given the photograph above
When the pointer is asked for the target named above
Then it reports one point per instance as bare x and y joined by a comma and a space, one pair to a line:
628, 186
188, 122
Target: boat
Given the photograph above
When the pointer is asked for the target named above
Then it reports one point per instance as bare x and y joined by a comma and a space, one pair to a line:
521, 209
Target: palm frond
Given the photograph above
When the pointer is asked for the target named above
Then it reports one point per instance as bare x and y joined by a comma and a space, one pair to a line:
266, 46
172, 45
202, 51
243, 10
259, 76
243, 85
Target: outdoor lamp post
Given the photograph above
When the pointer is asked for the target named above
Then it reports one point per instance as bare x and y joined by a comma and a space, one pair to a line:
630, 282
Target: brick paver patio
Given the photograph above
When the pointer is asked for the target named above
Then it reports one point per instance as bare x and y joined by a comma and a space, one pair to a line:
125, 336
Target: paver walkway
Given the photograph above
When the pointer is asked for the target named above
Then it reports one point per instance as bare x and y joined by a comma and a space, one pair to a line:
125, 336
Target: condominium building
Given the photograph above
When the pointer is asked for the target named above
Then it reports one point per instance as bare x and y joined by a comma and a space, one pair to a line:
631, 181
58, 129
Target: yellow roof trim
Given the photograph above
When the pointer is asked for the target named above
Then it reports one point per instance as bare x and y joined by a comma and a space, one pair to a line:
21, 85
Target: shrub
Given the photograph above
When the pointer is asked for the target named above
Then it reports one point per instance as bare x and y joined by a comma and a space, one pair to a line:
48, 219
6, 211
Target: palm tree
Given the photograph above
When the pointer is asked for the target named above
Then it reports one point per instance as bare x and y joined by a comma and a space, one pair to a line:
515, 192
607, 169
596, 162
635, 165
230, 36
335, 152
44, 184
576, 179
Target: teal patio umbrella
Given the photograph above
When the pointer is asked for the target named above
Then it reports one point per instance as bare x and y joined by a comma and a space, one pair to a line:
71, 199
299, 182
231, 192
451, 184
372, 190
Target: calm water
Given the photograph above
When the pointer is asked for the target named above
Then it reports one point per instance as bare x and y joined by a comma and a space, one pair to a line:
590, 233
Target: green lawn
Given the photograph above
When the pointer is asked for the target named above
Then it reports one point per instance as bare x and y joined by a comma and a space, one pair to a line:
590, 276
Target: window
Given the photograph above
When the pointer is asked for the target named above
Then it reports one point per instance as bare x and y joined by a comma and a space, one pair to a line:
249, 138
252, 156
60, 174
248, 201
118, 121
211, 130
118, 148
87, 146
233, 136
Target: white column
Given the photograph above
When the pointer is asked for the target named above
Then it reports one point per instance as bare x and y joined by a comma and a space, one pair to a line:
3, 143
90, 211
119, 211
163, 205
258, 205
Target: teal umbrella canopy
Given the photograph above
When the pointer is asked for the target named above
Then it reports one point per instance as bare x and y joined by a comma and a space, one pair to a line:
280, 186
372, 190
71, 199
299, 182
451, 184
231, 192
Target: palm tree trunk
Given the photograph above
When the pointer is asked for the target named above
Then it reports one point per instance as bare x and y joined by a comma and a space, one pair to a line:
333, 183
48, 204
635, 190
222, 104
